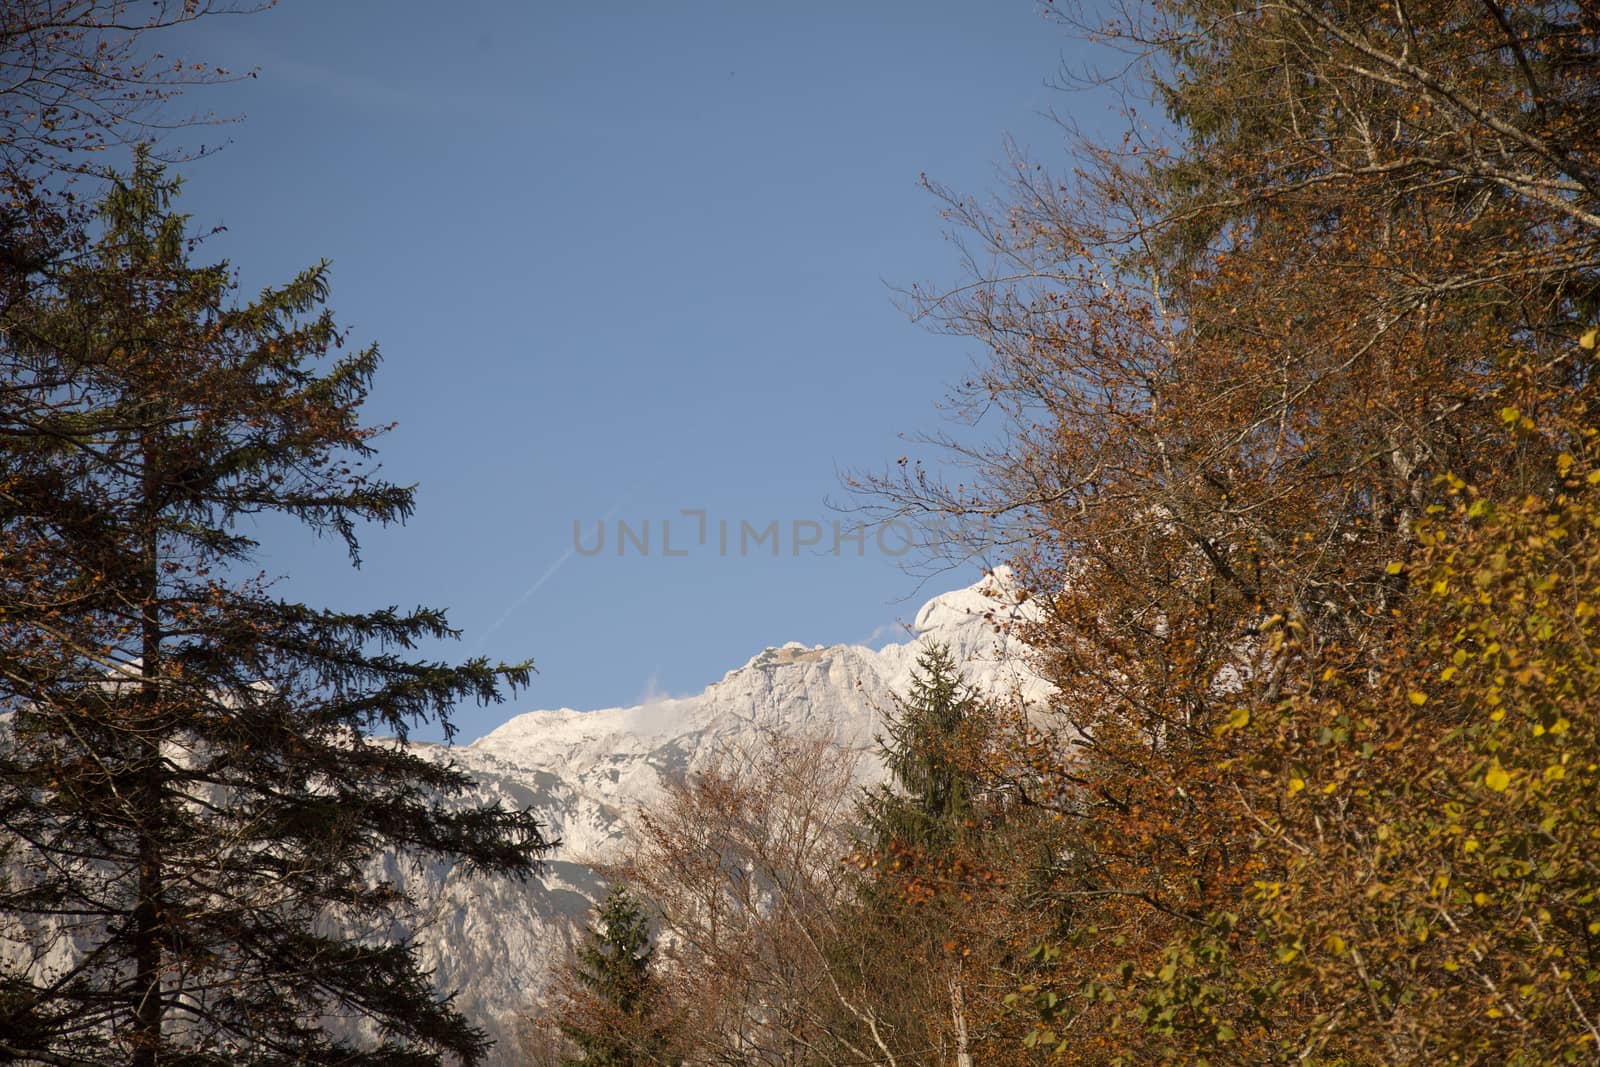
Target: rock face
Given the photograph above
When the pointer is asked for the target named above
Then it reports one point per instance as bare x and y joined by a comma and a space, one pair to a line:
587, 773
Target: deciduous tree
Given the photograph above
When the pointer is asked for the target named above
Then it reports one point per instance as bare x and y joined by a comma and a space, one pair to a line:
743, 863
79, 77
1234, 369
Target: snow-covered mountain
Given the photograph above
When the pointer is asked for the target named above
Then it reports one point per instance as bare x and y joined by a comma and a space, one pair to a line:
588, 772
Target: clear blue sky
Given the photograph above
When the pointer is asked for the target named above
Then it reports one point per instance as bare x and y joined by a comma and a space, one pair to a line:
623, 259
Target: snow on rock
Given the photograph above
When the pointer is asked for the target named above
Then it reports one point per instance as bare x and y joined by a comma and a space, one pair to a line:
496, 942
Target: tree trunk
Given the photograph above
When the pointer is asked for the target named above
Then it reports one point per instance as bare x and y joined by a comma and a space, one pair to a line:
958, 1020
149, 1006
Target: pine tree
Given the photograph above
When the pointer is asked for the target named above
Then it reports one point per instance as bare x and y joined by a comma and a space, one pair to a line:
611, 1016
197, 776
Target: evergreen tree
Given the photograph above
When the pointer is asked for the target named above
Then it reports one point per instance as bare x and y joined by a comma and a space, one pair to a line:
611, 1016
928, 746
195, 776
921, 846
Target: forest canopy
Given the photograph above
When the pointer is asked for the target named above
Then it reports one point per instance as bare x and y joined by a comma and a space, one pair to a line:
1297, 424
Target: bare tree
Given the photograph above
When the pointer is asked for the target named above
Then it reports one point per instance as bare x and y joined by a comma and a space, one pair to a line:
744, 863
80, 76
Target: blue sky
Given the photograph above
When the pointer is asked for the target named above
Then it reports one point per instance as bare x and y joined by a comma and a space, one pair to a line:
623, 260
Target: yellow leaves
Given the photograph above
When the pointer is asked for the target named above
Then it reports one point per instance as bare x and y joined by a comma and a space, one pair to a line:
1497, 778
1417, 699
1513, 417
1394, 567
1238, 719
1296, 784
1335, 945
1560, 726
1564, 463
1470, 845
1554, 773
1591, 339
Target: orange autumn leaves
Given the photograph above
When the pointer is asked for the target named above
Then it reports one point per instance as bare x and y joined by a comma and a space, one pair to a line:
1249, 386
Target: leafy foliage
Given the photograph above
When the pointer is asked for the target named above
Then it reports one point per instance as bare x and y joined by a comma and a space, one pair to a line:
1437, 869
1291, 413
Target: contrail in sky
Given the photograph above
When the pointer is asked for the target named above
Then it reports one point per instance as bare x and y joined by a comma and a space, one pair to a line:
527, 593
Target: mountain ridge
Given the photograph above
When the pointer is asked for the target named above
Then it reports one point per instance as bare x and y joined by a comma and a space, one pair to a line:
496, 943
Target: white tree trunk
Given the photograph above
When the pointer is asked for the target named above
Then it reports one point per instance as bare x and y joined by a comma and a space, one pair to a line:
958, 1018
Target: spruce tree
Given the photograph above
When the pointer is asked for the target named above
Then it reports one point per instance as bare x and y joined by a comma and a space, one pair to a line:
611, 1015
927, 747
197, 775
921, 845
